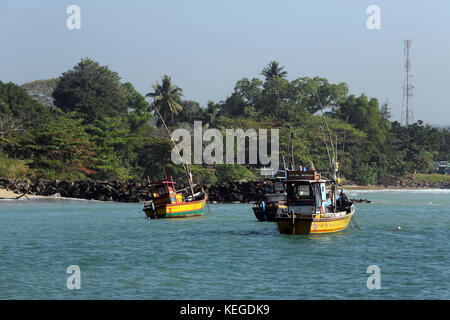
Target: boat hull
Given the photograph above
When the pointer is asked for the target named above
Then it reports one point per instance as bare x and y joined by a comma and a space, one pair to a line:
267, 213
175, 210
312, 225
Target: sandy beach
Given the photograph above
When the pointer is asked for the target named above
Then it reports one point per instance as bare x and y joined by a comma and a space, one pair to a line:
380, 188
7, 194
356, 187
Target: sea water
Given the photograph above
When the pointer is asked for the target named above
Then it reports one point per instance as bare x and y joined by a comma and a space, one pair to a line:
226, 254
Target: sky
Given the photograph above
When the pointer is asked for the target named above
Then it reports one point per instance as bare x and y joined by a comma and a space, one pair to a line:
206, 46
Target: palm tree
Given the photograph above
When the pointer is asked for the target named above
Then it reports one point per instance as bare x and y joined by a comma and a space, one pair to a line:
166, 99
212, 114
273, 70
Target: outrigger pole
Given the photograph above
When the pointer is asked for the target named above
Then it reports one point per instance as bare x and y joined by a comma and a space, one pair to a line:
188, 173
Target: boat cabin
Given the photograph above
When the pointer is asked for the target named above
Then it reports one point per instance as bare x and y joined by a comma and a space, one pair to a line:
164, 192
274, 190
306, 192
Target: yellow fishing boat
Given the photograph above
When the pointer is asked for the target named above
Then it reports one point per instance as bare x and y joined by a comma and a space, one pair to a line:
168, 203
310, 209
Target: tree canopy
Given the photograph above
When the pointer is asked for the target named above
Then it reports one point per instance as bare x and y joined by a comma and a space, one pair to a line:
273, 70
100, 128
92, 91
166, 99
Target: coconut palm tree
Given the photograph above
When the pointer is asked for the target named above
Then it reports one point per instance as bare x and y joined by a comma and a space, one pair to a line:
166, 99
212, 114
273, 70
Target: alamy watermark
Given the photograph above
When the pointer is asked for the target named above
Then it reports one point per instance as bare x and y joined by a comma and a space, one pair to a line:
74, 280
373, 22
213, 153
374, 280
74, 20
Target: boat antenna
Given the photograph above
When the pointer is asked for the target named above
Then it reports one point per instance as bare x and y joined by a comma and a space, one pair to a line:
188, 173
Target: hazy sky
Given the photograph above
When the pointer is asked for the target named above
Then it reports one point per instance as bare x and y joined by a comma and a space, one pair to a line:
207, 45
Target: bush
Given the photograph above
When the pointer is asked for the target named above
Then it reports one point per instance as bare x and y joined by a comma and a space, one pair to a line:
365, 174
233, 172
12, 168
433, 178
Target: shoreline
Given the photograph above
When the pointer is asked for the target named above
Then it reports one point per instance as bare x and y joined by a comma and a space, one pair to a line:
11, 195
356, 187
6, 194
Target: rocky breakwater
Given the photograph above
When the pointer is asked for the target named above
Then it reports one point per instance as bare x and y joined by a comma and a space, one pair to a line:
91, 190
231, 192
236, 191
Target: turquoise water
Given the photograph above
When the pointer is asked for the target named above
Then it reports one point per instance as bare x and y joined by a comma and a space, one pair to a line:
225, 255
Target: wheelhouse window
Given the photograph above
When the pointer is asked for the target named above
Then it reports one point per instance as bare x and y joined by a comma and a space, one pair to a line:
279, 187
299, 192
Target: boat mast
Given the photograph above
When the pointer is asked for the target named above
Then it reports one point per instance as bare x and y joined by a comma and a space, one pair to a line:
292, 150
188, 172
333, 160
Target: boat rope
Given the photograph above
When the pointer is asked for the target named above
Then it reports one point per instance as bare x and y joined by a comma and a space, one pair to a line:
354, 221
188, 173
292, 149
209, 208
326, 145
343, 142
308, 153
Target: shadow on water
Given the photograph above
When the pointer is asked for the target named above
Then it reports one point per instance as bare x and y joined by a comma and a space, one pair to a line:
271, 232
319, 238
243, 233
183, 219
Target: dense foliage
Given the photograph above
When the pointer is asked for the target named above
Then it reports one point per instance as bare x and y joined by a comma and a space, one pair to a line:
95, 127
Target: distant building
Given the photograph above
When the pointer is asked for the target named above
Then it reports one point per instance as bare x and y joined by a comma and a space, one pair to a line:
442, 167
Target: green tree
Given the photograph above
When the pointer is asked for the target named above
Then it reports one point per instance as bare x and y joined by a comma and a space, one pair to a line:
17, 103
135, 101
91, 90
212, 114
166, 99
249, 90
278, 98
190, 112
111, 149
273, 70
315, 93
138, 116
59, 149
18, 113
365, 115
